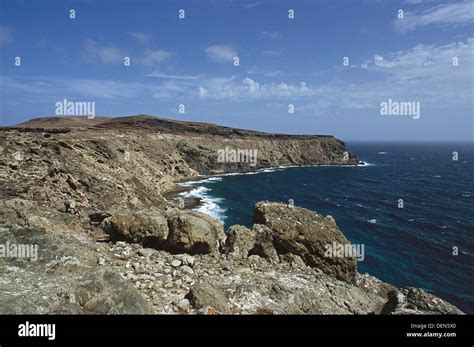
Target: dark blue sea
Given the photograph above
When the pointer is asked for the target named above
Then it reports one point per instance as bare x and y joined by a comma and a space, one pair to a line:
409, 246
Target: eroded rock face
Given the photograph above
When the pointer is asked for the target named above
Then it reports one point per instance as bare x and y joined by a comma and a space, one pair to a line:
281, 290
148, 227
307, 234
239, 241
242, 242
194, 232
207, 294
63, 278
416, 301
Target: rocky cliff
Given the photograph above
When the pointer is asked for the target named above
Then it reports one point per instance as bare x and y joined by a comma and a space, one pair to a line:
91, 195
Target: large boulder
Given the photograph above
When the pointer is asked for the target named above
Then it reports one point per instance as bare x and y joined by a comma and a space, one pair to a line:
194, 232
148, 227
242, 242
307, 234
239, 241
206, 295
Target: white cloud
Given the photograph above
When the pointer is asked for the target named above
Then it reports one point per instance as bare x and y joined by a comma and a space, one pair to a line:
443, 14
46, 90
248, 88
424, 73
104, 54
172, 77
221, 53
272, 52
252, 5
272, 35
93, 51
256, 71
140, 37
202, 92
413, 2
426, 61
5, 35
153, 57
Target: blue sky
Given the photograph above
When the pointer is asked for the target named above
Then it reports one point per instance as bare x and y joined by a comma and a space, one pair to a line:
282, 61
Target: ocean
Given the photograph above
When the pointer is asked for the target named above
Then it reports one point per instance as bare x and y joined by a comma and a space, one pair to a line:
411, 246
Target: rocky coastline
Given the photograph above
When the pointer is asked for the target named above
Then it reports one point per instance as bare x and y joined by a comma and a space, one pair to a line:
98, 199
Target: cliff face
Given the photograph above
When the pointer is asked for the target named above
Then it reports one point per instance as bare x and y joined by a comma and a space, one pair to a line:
130, 162
69, 184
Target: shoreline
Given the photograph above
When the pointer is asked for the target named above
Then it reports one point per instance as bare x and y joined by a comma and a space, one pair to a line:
184, 188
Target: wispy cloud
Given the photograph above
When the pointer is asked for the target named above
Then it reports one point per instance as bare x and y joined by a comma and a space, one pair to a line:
272, 35
248, 88
107, 54
173, 77
456, 13
221, 53
254, 70
93, 51
424, 73
252, 5
140, 37
48, 89
5, 35
153, 57
272, 52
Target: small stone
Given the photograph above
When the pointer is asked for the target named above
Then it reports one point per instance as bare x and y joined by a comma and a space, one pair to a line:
176, 263
225, 265
101, 261
157, 285
183, 305
146, 252
187, 269
188, 259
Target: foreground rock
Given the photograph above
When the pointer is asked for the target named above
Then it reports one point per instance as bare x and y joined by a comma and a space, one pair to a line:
148, 227
307, 234
194, 232
64, 278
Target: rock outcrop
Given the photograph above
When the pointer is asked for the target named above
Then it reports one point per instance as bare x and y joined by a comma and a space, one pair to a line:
64, 279
194, 232
307, 234
148, 227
